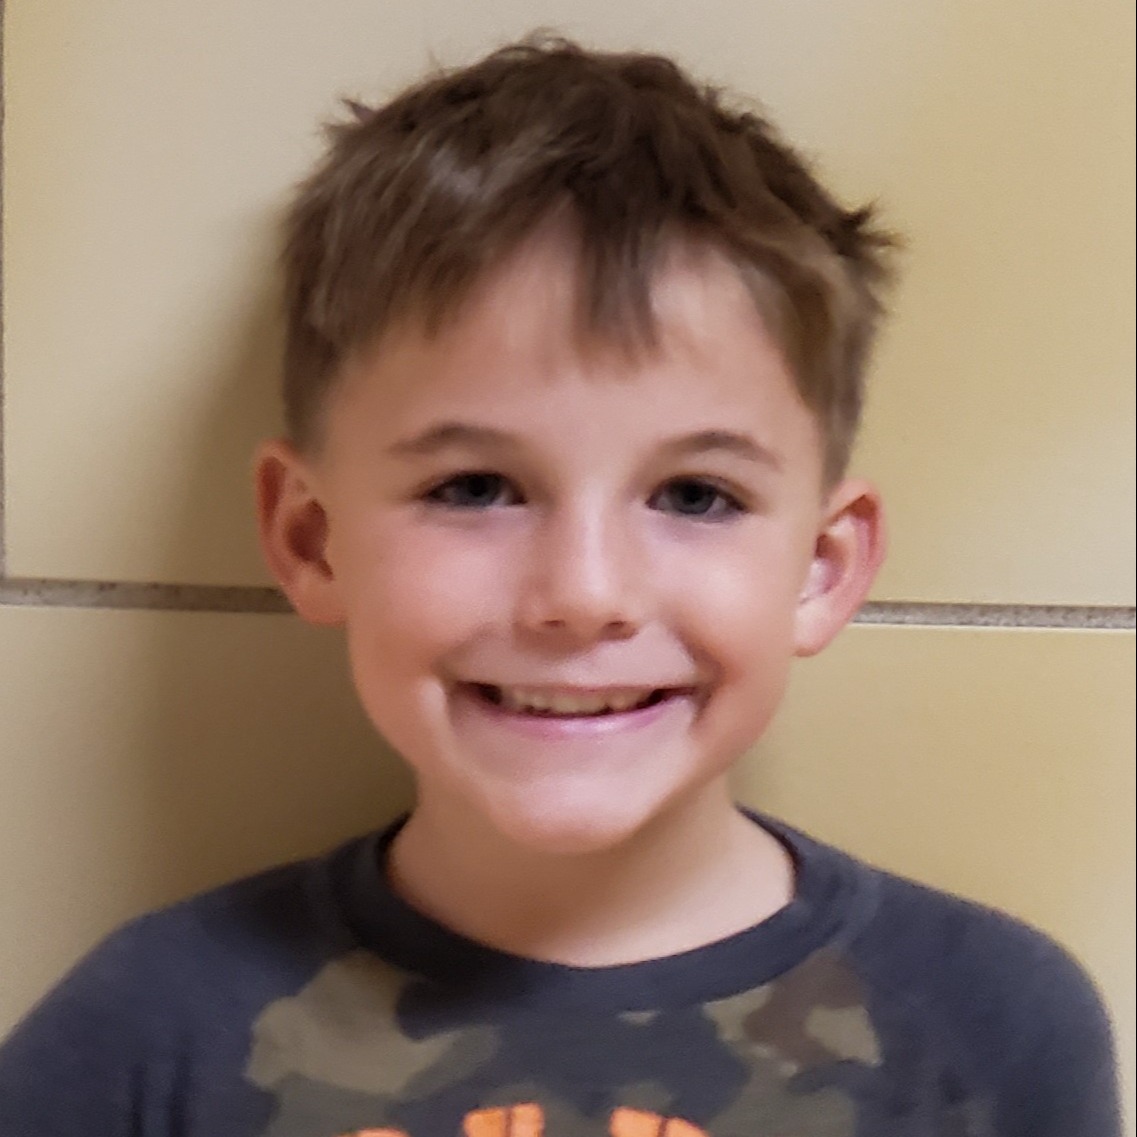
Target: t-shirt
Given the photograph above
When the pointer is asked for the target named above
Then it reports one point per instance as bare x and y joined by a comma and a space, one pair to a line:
310, 1001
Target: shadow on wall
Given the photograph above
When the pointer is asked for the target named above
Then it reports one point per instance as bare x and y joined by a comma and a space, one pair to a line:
259, 752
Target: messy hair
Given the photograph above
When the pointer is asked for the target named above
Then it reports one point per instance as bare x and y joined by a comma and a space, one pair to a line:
417, 199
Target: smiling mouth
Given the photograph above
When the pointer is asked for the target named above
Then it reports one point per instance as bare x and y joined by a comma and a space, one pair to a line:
569, 707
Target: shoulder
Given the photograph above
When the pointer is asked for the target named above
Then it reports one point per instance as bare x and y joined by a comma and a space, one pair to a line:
285, 919
1013, 1010
278, 920
965, 957
172, 990
935, 948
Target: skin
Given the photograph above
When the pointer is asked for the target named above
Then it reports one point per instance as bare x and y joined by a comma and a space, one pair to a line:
583, 548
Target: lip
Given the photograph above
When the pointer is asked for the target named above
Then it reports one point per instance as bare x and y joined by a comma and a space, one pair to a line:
551, 727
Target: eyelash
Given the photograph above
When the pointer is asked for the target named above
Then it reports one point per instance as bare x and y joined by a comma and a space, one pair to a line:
731, 507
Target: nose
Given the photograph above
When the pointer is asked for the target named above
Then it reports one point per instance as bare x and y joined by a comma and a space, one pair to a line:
584, 579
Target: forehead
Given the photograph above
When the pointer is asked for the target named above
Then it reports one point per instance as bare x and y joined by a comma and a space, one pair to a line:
517, 353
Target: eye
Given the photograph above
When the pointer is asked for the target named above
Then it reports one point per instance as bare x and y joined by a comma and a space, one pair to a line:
478, 489
697, 498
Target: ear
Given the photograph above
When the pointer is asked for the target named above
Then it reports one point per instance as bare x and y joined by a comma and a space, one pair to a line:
293, 527
847, 554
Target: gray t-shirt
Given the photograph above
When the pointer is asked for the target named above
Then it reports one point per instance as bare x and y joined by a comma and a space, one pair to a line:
310, 1001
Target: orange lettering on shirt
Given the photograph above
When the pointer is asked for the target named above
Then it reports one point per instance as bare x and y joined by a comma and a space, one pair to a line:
528, 1120
640, 1123
636, 1123
515, 1121
376, 1133
677, 1127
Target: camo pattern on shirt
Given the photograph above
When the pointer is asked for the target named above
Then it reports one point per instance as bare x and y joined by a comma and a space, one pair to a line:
368, 1050
311, 1001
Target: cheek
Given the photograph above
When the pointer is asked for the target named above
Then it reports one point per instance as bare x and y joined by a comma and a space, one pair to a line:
741, 602
413, 594
409, 604
740, 625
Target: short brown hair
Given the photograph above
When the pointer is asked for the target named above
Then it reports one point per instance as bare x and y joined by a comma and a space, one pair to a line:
415, 200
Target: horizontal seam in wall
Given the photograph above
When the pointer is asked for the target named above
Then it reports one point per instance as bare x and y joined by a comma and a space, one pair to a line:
18, 592
937, 614
23, 592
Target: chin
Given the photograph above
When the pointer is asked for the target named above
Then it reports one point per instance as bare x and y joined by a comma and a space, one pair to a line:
565, 825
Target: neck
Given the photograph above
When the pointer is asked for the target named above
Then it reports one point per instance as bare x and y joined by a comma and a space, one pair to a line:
695, 874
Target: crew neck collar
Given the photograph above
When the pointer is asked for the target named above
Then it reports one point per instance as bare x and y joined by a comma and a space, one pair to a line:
830, 889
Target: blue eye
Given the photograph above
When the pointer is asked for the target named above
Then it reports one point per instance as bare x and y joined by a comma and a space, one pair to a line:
694, 497
476, 490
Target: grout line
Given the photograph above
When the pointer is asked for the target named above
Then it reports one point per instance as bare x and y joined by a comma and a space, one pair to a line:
935, 614
30, 593
17, 592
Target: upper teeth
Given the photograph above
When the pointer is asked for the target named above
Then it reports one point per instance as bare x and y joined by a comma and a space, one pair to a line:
563, 703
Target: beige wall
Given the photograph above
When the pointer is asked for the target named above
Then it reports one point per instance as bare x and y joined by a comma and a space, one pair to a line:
147, 753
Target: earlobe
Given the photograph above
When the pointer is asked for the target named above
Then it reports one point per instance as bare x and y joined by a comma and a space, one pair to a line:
847, 555
293, 529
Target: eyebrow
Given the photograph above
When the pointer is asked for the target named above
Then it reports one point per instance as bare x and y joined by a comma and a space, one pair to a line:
448, 435
708, 441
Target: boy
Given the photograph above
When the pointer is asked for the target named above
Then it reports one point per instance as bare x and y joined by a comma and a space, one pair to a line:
573, 366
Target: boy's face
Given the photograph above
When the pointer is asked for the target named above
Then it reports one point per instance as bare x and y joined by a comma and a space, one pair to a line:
519, 533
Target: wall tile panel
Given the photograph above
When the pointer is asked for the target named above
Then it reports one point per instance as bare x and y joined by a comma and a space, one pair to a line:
147, 755
149, 143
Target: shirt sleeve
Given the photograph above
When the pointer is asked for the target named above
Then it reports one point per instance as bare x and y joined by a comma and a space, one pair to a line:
1060, 1076
78, 1064
1022, 1027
